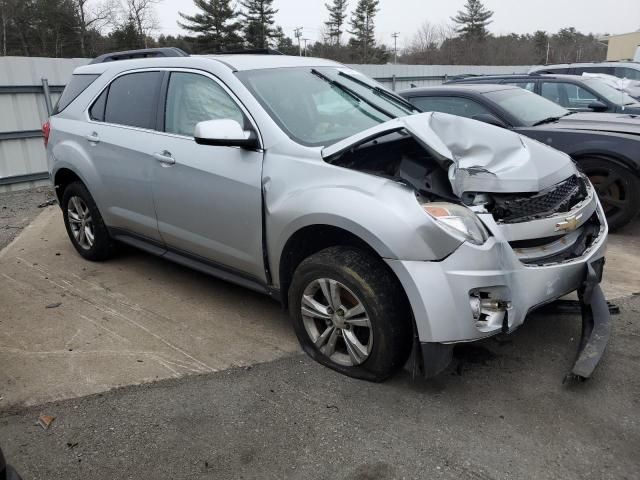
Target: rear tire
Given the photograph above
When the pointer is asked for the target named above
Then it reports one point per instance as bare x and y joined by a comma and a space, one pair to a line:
352, 299
618, 189
84, 224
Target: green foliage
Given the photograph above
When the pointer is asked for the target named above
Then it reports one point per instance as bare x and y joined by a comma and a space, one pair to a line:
474, 20
337, 18
259, 23
362, 25
216, 26
126, 36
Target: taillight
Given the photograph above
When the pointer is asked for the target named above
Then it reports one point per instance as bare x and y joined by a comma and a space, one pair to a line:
46, 130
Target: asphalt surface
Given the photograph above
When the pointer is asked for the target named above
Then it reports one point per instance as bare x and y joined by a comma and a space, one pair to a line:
500, 412
18, 209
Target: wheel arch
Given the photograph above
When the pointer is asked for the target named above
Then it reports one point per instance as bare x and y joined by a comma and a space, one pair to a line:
62, 178
615, 157
311, 239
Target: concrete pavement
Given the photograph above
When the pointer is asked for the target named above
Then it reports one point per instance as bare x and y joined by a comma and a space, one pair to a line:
130, 320
137, 318
504, 414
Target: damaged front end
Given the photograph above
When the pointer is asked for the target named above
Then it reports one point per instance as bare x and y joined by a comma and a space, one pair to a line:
531, 225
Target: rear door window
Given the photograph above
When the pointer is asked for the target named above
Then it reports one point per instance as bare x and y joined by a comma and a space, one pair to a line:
568, 95
531, 86
463, 107
605, 70
132, 100
77, 85
628, 73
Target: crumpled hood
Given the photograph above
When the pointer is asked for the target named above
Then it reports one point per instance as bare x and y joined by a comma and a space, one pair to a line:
479, 157
608, 122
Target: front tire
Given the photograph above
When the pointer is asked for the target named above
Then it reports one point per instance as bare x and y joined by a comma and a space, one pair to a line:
84, 224
618, 189
350, 313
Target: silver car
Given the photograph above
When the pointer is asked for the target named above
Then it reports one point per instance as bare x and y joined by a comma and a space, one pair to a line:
389, 235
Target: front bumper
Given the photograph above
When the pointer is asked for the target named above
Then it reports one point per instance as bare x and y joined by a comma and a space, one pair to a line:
442, 294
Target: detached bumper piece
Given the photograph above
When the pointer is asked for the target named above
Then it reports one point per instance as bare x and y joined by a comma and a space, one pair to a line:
596, 324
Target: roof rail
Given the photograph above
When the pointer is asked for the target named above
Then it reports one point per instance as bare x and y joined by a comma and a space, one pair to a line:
251, 51
143, 53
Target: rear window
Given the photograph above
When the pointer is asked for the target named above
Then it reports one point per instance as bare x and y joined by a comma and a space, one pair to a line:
132, 100
77, 85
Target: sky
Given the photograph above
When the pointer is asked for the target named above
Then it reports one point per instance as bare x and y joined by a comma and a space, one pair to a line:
405, 16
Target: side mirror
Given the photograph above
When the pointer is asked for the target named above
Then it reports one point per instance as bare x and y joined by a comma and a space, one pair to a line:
490, 119
598, 106
225, 133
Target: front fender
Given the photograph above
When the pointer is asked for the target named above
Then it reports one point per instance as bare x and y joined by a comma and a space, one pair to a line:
622, 147
385, 215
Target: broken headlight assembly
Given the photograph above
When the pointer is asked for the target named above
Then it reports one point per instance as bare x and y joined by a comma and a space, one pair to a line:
459, 221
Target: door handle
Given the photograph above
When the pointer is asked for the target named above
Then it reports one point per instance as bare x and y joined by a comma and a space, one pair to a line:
165, 158
93, 137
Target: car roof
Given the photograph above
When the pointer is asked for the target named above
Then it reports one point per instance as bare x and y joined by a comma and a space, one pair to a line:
237, 62
629, 63
460, 88
519, 76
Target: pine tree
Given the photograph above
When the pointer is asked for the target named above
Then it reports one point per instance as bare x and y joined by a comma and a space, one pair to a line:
337, 17
363, 29
473, 21
259, 29
216, 25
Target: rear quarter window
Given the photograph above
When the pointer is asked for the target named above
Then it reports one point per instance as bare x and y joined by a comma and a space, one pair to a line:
77, 85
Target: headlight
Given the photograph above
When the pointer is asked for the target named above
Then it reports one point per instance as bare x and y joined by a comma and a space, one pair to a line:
458, 220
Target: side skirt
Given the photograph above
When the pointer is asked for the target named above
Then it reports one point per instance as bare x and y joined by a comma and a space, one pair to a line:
192, 261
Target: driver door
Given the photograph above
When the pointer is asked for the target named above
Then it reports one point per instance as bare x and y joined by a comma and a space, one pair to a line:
208, 198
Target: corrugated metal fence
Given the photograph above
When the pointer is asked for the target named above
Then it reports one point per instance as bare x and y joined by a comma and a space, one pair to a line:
23, 104
23, 110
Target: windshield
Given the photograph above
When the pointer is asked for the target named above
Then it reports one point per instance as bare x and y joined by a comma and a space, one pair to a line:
527, 107
321, 106
615, 96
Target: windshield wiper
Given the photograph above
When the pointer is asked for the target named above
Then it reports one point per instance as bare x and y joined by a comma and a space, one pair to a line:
381, 92
352, 93
547, 120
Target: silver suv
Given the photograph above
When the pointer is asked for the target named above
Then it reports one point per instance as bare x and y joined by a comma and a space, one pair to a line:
388, 235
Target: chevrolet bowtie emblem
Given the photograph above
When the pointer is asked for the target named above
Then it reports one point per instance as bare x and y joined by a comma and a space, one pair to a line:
569, 224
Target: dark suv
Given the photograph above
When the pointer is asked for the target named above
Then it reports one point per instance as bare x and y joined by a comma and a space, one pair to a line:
575, 93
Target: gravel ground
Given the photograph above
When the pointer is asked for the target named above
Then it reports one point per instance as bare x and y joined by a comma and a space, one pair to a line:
18, 209
503, 413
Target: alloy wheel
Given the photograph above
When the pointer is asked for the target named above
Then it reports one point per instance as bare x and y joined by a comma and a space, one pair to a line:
611, 190
337, 322
81, 222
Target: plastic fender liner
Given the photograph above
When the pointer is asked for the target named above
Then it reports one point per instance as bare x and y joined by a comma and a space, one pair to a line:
596, 324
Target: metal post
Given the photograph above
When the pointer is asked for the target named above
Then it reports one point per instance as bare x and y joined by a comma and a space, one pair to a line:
47, 96
393, 83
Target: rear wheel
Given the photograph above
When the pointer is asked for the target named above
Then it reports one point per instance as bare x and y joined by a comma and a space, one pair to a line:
350, 313
618, 189
84, 224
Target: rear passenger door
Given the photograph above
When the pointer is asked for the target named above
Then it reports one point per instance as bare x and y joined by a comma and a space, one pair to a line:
121, 136
208, 198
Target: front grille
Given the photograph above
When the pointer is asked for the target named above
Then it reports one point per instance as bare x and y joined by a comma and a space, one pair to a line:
588, 234
559, 198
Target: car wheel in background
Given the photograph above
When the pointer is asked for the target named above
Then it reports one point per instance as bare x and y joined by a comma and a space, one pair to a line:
84, 223
350, 313
618, 189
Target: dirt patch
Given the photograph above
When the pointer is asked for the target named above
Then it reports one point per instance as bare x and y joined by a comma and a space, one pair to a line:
18, 209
